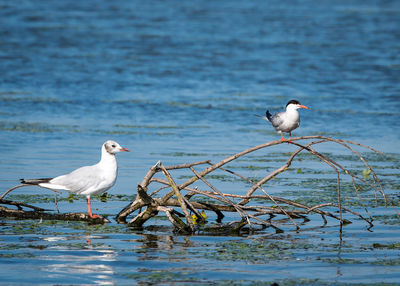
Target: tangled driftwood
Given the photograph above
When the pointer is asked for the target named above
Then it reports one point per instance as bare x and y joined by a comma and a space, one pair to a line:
250, 215
182, 200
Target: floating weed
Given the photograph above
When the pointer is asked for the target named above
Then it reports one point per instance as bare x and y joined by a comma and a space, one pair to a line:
189, 105
71, 197
387, 262
13, 92
251, 168
388, 219
184, 154
204, 200
391, 184
36, 127
11, 246
222, 178
300, 281
339, 260
332, 134
27, 127
161, 126
103, 197
147, 126
17, 255
366, 173
49, 198
80, 245
115, 132
160, 276
388, 157
32, 198
111, 197
130, 132
34, 100
269, 157
103, 228
395, 245
215, 106
180, 154
253, 252
28, 227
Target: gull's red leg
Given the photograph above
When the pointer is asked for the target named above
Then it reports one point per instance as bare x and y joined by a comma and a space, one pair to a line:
89, 209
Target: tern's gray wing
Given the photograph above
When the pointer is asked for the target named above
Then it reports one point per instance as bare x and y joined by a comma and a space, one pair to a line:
277, 120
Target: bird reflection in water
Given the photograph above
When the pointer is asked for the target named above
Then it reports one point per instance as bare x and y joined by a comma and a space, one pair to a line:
72, 258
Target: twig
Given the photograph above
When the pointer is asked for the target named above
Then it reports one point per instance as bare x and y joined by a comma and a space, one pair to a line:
237, 208
19, 205
179, 196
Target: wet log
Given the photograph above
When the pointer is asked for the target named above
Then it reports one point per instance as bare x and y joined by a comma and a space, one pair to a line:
23, 214
40, 213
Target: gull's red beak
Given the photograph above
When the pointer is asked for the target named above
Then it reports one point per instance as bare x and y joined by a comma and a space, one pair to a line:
303, 106
124, 149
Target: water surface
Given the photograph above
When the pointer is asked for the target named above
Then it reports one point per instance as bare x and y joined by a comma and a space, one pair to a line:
179, 82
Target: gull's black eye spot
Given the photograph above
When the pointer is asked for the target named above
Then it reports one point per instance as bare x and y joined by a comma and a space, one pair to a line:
113, 145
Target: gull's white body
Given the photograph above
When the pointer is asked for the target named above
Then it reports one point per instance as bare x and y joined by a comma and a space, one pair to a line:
88, 180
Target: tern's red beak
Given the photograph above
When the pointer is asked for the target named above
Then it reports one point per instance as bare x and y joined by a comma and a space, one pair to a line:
124, 149
303, 106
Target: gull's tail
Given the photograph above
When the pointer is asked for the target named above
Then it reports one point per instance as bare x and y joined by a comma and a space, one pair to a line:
35, 181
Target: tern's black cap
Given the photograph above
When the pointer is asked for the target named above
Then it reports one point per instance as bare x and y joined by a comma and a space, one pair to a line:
293, 101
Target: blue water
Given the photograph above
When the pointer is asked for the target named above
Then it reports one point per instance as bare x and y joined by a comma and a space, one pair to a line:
179, 81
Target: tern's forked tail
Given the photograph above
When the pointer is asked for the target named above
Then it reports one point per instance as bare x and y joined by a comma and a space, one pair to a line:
269, 116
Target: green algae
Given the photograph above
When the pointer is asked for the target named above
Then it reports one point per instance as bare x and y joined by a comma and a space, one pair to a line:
23, 255
160, 276
148, 126
36, 127
253, 252
394, 245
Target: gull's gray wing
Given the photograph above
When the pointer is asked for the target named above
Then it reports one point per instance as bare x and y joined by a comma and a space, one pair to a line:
80, 180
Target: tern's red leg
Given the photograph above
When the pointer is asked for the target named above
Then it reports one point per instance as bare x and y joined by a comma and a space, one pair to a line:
89, 208
283, 138
290, 135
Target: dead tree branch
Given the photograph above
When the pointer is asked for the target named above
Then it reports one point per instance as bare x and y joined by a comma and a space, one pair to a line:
220, 202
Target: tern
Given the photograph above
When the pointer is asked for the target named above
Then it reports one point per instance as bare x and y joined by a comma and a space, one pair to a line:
285, 121
87, 180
